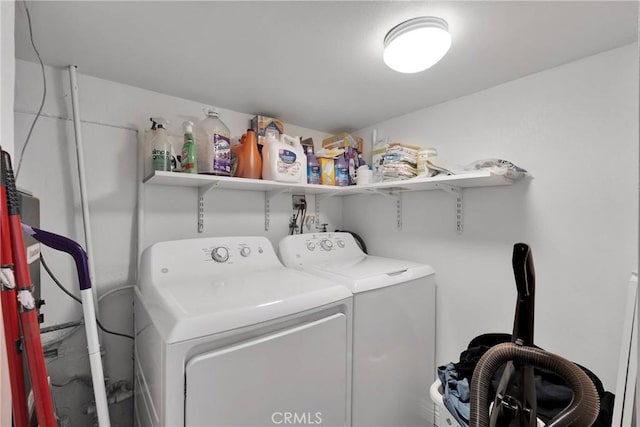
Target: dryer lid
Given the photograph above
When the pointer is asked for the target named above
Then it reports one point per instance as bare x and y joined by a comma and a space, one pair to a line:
364, 273
194, 309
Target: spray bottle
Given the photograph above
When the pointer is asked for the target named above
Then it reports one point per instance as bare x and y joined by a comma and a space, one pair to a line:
188, 160
159, 145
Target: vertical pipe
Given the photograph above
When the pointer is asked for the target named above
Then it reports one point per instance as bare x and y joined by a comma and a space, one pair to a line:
95, 361
73, 78
140, 218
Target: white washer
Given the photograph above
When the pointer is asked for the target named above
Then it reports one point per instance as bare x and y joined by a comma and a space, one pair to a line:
393, 326
227, 336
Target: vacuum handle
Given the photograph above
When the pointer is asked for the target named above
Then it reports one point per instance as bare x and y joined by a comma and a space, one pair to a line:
523, 270
66, 245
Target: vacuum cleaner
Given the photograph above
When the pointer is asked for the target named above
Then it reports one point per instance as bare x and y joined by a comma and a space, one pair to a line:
78, 254
515, 401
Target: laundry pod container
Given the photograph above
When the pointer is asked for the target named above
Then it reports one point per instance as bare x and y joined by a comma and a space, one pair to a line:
393, 326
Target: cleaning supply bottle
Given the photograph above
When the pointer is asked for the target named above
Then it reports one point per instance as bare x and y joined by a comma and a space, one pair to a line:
249, 160
296, 142
159, 146
313, 169
284, 160
188, 160
342, 171
213, 145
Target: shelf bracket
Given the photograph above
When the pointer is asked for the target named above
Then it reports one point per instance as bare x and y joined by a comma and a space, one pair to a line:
268, 195
202, 191
319, 197
317, 211
398, 199
456, 191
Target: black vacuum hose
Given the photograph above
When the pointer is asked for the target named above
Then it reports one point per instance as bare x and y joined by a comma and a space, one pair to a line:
581, 412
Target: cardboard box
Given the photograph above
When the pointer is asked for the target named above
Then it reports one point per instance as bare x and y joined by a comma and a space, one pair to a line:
327, 171
343, 140
263, 124
307, 146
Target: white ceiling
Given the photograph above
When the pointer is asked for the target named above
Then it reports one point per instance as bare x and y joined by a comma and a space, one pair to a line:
315, 64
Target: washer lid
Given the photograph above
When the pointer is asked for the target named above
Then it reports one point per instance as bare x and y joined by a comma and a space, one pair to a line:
364, 273
194, 309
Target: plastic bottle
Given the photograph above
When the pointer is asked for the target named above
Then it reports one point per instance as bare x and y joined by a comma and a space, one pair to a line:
284, 160
188, 160
352, 165
236, 144
249, 159
159, 146
313, 169
213, 147
342, 171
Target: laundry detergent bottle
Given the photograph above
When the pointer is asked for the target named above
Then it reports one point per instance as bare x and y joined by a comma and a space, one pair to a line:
284, 160
213, 145
313, 169
249, 159
342, 171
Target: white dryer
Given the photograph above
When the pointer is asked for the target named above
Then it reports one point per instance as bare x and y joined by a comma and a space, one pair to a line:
227, 336
393, 326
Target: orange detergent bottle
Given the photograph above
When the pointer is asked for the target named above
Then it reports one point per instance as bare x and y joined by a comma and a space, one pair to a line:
249, 159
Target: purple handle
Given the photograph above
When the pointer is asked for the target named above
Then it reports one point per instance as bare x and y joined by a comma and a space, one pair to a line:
67, 245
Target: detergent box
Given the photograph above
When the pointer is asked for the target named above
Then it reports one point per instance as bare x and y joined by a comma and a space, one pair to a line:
327, 171
262, 125
343, 140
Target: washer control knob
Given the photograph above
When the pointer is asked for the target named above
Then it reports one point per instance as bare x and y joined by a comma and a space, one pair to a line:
326, 244
245, 251
340, 243
311, 246
220, 254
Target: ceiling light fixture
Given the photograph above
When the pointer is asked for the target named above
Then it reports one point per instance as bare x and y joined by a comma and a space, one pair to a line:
416, 44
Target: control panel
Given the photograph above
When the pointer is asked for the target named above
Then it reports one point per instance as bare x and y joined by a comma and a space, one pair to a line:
317, 247
232, 252
180, 260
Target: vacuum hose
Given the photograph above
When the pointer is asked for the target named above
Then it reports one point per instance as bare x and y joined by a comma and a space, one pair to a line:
581, 412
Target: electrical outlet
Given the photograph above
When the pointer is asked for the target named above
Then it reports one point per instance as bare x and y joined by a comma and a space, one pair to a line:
298, 201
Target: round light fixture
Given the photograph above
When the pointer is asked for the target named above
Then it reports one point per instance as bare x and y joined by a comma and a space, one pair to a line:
416, 44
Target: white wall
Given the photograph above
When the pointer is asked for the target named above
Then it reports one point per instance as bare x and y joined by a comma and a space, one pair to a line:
49, 170
575, 128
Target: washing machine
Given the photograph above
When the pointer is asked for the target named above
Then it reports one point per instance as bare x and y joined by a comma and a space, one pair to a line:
225, 335
393, 326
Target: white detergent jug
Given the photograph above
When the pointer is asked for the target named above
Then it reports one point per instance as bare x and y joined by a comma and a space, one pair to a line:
284, 160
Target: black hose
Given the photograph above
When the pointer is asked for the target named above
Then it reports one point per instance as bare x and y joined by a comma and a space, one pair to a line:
581, 412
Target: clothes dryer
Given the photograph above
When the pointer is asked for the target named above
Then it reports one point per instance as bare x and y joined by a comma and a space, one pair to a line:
393, 326
227, 336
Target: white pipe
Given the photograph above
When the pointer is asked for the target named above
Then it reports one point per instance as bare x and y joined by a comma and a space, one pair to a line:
95, 361
73, 78
140, 221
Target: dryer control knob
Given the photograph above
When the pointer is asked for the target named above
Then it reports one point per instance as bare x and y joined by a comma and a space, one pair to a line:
311, 246
245, 251
326, 244
220, 254
340, 243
